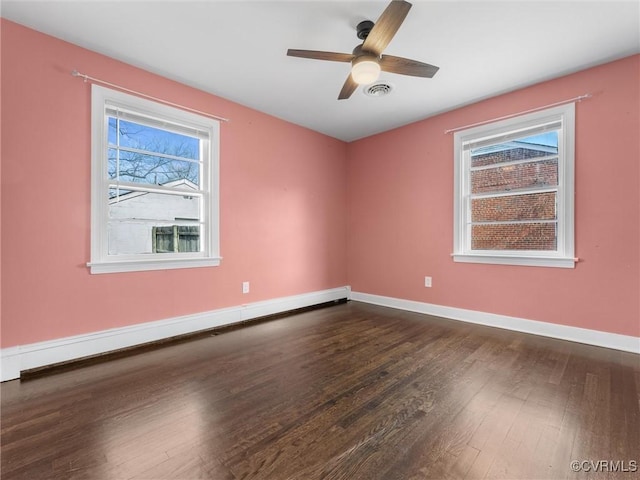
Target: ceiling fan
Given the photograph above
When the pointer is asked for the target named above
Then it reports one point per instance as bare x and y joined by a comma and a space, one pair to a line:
367, 59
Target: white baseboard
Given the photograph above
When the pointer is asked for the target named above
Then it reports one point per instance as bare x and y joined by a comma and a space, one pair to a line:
24, 357
615, 341
14, 360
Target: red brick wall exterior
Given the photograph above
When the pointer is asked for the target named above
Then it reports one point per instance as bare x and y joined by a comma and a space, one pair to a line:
512, 177
533, 206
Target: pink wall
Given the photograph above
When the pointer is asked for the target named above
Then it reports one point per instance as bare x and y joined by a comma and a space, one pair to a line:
283, 192
401, 211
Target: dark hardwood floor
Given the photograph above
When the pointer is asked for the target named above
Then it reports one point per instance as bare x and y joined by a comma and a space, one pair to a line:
352, 391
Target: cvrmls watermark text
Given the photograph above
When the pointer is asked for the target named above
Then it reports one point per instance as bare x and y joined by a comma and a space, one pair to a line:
598, 466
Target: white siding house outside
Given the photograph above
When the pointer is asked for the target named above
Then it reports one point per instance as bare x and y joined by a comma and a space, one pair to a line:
133, 216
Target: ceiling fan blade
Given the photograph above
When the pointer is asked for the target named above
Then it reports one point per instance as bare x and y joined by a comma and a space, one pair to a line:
404, 66
386, 26
348, 88
319, 55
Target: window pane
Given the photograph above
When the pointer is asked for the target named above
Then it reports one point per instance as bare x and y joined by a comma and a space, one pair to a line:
112, 133
519, 149
154, 140
515, 236
513, 177
533, 206
151, 170
134, 218
129, 238
141, 237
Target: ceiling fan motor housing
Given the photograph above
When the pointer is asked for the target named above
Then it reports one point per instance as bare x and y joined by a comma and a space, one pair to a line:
364, 28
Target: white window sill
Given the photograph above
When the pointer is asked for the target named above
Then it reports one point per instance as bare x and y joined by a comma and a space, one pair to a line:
146, 265
528, 261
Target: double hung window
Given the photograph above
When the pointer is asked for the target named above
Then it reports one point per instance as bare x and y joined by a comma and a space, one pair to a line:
154, 185
514, 188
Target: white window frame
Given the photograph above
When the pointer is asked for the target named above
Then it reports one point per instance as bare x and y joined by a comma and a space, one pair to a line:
504, 130
101, 261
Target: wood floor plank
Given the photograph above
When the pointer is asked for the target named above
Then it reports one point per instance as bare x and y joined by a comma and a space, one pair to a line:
354, 391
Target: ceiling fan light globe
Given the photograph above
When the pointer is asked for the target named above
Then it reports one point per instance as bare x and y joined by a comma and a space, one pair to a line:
365, 71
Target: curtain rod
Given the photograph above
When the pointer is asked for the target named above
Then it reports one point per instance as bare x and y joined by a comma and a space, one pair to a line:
563, 102
87, 78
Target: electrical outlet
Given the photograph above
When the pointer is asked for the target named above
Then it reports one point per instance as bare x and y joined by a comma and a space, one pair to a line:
427, 281
245, 287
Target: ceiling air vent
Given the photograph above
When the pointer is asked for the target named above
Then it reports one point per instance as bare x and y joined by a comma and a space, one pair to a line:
378, 89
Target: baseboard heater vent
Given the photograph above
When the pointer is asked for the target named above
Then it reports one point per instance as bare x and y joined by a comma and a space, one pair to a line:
81, 362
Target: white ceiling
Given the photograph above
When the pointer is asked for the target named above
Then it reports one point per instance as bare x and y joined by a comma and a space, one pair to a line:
237, 49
